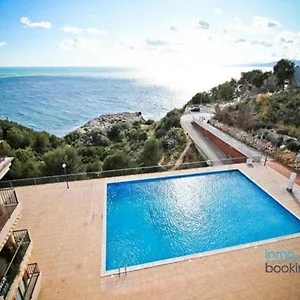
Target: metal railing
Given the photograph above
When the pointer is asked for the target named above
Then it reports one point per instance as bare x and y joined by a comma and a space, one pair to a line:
8, 203
228, 139
17, 250
120, 172
8, 196
34, 273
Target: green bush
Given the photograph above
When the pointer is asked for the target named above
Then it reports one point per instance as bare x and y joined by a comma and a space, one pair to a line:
160, 133
94, 166
119, 160
149, 122
54, 159
151, 153
293, 146
142, 136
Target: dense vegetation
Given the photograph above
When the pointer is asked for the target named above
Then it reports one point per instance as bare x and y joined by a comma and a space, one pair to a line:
254, 79
280, 111
122, 145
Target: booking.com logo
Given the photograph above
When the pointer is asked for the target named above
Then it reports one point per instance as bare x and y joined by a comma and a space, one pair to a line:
282, 262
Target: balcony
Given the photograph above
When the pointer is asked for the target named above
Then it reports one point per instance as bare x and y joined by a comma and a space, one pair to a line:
12, 259
33, 286
8, 203
10, 209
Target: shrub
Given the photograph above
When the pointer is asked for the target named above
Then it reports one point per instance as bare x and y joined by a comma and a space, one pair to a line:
294, 146
99, 139
151, 153
119, 160
94, 167
149, 122
142, 136
114, 133
160, 133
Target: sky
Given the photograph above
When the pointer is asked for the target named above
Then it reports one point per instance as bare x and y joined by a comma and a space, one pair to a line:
147, 33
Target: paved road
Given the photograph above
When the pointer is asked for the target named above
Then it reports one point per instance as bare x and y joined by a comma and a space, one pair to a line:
209, 150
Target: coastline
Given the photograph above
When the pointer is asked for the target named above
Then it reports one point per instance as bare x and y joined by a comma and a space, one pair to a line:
107, 120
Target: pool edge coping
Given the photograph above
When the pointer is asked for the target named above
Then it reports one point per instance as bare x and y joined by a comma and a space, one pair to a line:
189, 257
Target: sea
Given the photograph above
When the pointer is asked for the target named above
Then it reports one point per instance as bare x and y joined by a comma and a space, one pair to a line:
60, 99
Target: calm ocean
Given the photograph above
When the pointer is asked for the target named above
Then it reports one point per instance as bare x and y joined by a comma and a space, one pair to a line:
60, 99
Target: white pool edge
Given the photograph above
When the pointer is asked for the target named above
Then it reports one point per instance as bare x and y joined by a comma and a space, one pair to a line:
186, 257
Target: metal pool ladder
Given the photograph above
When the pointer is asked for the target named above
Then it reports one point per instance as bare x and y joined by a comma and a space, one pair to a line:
120, 273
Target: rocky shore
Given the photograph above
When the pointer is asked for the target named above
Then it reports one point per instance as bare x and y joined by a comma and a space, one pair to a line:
106, 121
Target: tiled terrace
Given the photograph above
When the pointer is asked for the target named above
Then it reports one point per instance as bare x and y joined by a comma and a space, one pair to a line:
66, 227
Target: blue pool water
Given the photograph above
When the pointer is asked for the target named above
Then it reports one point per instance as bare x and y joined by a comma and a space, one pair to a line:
155, 219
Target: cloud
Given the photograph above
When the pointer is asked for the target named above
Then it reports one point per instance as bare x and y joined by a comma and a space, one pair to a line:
96, 31
258, 28
71, 29
159, 43
79, 43
29, 24
287, 37
239, 40
265, 23
174, 28
218, 11
286, 41
2, 44
261, 43
201, 24
77, 30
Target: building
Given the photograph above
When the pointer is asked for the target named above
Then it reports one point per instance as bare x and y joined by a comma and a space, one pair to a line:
295, 82
19, 279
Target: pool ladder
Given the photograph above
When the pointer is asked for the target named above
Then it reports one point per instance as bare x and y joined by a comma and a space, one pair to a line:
125, 272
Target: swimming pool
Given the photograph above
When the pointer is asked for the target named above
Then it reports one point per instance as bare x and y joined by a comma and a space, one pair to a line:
154, 220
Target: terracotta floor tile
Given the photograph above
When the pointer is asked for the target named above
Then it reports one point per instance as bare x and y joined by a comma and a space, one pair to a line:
66, 229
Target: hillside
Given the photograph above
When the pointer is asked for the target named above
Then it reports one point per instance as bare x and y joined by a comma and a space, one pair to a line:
270, 123
123, 140
261, 109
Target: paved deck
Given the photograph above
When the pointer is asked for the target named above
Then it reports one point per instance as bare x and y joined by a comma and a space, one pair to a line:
66, 226
283, 170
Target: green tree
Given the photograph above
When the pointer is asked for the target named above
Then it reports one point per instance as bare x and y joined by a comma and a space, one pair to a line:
201, 98
18, 138
66, 154
55, 141
5, 149
151, 153
254, 77
284, 70
223, 92
119, 160
41, 142
172, 119
24, 165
